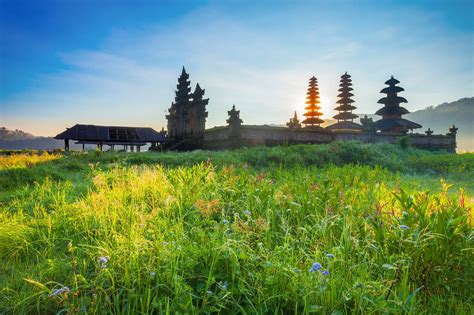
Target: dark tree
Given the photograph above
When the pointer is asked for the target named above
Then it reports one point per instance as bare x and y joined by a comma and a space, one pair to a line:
312, 100
367, 124
392, 112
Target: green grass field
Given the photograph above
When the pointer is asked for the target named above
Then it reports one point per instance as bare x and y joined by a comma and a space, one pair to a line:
323, 229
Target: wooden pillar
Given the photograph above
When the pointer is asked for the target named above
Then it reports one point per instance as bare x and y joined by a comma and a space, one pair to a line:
83, 146
100, 145
138, 148
66, 145
112, 147
132, 148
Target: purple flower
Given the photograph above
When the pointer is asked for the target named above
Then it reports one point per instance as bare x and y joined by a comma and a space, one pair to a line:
316, 266
329, 255
104, 266
103, 259
225, 221
57, 292
404, 227
247, 212
325, 272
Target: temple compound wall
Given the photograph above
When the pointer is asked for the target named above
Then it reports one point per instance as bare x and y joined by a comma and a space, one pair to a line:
248, 136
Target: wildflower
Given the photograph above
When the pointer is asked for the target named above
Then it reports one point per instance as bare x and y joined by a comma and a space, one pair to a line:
103, 259
316, 266
104, 266
209, 292
59, 291
152, 273
223, 285
329, 255
296, 270
325, 272
225, 221
247, 212
404, 227
164, 243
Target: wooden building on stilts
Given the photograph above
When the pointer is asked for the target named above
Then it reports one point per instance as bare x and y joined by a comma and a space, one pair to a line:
112, 136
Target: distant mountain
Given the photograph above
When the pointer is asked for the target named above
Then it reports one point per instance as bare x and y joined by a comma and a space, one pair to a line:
11, 135
20, 140
440, 118
443, 116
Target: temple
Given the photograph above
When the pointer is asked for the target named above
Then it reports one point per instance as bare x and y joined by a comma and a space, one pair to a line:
294, 122
392, 112
312, 110
187, 114
187, 118
345, 117
186, 125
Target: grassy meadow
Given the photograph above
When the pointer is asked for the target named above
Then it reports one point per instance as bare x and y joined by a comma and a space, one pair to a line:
321, 229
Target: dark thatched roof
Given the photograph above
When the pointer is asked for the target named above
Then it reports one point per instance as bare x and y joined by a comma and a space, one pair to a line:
394, 100
392, 81
347, 125
392, 110
111, 134
392, 89
345, 116
390, 124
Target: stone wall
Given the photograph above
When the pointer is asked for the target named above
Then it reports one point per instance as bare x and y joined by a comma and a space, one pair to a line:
219, 138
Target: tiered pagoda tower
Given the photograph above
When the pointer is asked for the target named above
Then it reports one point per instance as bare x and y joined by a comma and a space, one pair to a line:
312, 110
187, 114
392, 112
345, 117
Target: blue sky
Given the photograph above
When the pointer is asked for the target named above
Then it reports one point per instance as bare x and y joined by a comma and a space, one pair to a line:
117, 62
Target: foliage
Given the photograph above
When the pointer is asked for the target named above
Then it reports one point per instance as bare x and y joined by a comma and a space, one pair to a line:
404, 142
238, 232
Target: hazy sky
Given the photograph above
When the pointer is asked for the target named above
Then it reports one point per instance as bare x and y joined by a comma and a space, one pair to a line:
117, 62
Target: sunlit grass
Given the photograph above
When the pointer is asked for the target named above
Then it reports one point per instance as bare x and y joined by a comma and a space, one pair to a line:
229, 237
25, 160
